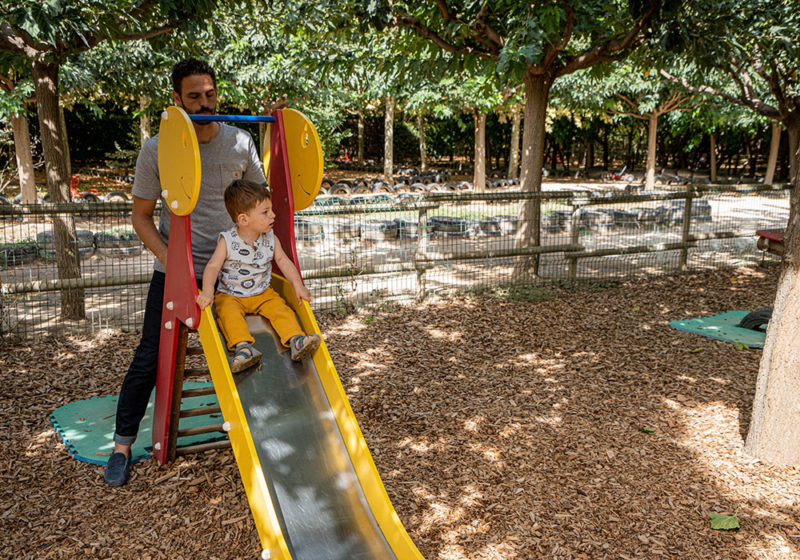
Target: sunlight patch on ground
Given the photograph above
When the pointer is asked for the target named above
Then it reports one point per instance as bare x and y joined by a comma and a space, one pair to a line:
38, 441
474, 423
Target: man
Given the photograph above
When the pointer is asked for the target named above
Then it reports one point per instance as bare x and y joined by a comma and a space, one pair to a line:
226, 154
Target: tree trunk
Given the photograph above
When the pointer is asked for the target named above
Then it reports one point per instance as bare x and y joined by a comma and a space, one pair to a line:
388, 146
360, 157
774, 433
144, 120
65, 140
793, 130
22, 148
537, 90
606, 155
652, 129
712, 156
774, 145
513, 155
479, 169
423, 146
45, 77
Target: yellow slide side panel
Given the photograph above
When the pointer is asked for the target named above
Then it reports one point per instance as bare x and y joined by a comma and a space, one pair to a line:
377, 498
178, 161
269, 530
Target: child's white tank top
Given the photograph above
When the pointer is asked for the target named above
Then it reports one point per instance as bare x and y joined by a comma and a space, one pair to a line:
247, 269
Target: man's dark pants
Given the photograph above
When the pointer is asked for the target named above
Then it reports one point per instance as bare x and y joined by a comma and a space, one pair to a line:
141, 377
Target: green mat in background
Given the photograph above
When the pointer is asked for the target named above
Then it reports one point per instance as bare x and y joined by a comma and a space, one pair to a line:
722, 327
87, 427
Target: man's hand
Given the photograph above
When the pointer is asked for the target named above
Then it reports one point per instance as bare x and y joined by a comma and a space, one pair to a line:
302, 293
203, 300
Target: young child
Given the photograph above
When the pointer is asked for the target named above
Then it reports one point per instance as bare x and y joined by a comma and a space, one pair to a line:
242, 261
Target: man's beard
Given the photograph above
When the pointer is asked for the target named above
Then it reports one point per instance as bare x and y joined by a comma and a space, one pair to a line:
201, 111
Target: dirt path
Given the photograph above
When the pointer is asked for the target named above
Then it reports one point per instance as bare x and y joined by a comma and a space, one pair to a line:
502, 429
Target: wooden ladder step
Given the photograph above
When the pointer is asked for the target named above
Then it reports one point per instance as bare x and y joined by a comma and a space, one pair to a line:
201, 447
195, 430
195, 372
200, 411
199, 392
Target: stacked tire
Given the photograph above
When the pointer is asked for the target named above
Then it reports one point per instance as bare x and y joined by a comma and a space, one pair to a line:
47, 245
118, 243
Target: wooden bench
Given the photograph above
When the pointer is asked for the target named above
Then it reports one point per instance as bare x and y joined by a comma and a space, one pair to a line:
770, 241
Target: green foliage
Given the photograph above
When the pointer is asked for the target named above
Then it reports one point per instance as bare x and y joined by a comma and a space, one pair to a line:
723, 522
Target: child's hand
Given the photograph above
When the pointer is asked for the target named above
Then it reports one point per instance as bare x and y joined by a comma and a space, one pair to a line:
302, 293
203, 301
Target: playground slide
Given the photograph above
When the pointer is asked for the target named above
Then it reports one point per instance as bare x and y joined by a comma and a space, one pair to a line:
310, 480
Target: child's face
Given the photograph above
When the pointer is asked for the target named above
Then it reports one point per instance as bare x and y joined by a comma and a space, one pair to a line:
260, 218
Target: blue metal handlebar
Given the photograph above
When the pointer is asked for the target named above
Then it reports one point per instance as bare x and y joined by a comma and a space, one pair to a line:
231, 118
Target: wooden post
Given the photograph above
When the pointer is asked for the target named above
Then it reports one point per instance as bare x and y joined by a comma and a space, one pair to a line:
687, 226
422, 251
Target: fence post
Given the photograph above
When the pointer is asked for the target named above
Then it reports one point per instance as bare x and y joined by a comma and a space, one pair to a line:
575, 231
422, 251
687, 227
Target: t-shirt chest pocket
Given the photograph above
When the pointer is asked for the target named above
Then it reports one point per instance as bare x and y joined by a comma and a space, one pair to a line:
230, 172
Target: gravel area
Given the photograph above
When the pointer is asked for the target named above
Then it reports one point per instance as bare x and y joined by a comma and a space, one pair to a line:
569, 423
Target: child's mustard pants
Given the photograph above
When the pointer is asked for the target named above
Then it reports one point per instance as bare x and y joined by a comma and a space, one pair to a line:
232, 309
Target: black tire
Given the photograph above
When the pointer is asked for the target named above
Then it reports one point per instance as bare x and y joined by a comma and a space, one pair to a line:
116, 196
118, 243
378, 230
382, 188
306, 229
340, 188
361, 188
17, 254
757, 320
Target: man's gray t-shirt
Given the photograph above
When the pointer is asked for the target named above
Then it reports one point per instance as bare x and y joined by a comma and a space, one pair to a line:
231, 155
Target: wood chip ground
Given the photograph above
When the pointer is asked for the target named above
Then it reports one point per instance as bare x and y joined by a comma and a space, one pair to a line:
502, 429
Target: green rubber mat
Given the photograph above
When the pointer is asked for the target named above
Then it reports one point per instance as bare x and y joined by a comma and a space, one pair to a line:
722, 327
87, 427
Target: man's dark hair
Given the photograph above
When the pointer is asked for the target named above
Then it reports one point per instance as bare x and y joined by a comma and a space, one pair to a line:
190, 67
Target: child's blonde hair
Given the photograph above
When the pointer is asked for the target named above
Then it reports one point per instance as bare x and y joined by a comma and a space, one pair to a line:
242, 195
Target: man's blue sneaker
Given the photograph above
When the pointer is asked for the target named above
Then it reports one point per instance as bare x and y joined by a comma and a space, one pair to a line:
118, 470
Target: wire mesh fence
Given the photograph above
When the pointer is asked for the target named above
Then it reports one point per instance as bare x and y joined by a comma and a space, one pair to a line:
355, 249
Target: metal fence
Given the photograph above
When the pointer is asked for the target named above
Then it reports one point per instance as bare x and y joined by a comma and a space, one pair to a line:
356, 249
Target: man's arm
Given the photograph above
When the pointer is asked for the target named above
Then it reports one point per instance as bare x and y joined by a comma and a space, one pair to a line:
142, 220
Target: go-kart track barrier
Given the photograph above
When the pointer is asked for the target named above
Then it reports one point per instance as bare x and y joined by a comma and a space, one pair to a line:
359, 249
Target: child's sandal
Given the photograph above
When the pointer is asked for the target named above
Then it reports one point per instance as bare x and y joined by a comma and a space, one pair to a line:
302, 346
245, 356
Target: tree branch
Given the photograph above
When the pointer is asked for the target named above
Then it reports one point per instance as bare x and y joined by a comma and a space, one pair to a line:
14, 40
630, 103
446, 16
756, 105
6, 83
480, 27
626, 114
427, 33
553, 50
610, 47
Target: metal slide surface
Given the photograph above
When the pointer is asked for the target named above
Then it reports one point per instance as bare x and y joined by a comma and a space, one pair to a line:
312, 485
321, 507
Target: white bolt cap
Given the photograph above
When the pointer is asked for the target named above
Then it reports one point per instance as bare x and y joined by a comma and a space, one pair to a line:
170, 305
164, 115
226, 426
164, 193
190, 322
157, 446
168, 325
266, 554
174, 204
